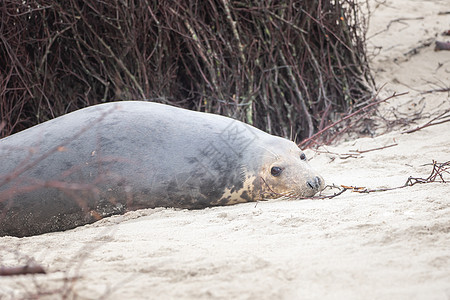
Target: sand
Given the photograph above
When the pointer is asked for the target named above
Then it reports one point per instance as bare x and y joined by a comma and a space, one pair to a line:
382, 245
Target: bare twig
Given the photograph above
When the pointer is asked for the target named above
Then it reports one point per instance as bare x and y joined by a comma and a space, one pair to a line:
443, 90
26, 165
341, 189
438, 171
374, 149
23, 270
437, 175
398, 20
348, 117
442, 118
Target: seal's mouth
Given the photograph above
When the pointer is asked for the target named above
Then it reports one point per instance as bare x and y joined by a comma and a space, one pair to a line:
311, 187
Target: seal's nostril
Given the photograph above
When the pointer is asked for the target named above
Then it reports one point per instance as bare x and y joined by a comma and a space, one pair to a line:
318, 181
314, 183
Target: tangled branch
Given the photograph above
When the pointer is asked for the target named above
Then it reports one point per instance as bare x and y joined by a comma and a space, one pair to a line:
437, 175
286, 67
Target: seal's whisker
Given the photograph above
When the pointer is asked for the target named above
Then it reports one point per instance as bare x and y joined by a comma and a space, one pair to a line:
271, 190
269, 156
270, 151
295, 138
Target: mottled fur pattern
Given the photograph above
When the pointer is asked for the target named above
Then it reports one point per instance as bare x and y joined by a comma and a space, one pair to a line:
115, 157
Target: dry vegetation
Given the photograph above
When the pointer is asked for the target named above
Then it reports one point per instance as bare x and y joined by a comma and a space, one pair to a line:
287, 67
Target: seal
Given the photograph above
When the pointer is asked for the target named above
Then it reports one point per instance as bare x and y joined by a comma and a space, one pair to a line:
120, 156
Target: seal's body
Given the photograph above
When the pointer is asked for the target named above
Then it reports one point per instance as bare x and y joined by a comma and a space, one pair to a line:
115, 157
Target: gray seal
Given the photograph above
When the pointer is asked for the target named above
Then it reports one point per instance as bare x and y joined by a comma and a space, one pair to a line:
120, 156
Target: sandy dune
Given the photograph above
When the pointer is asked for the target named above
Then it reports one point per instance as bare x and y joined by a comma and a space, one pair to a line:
384, 245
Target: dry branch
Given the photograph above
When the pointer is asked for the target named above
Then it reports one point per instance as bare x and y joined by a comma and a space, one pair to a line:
363, 109
442, 118
23, 270
374, 149
437, 175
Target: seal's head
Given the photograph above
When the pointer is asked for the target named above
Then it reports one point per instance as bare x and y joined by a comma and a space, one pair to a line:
286, 172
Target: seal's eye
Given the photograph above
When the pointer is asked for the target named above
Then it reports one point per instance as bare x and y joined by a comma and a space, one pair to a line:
303, 156
276, 171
